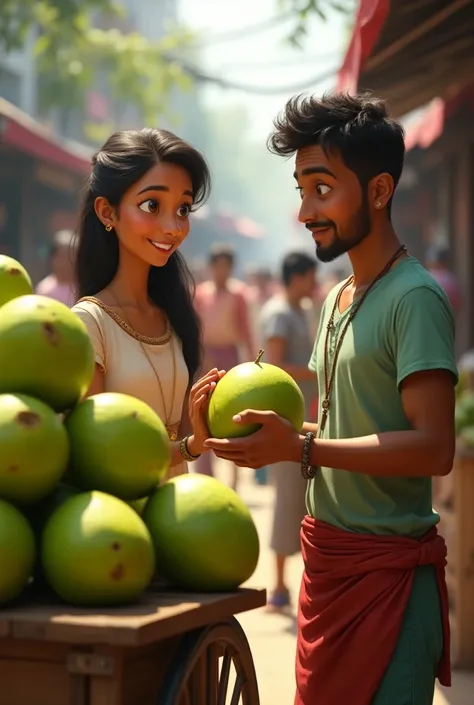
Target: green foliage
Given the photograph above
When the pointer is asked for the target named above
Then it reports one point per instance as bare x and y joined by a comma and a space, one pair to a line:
464, 418
304, 9
18, 16
71, 53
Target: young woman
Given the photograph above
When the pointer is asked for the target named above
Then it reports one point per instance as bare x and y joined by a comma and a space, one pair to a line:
134, 289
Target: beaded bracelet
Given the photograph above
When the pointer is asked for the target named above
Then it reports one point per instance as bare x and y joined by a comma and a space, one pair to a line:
307, 470
183, 449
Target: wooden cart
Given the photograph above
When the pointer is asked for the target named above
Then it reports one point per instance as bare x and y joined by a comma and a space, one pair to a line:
171, 649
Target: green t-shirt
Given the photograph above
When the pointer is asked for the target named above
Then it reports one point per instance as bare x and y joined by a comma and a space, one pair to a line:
405, 325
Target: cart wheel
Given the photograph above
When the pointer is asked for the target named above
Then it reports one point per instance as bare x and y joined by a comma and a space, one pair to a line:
212, 666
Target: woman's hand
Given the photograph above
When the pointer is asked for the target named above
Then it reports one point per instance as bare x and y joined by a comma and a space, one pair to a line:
198, 405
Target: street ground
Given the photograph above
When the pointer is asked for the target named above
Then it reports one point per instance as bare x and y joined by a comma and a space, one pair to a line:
272, 636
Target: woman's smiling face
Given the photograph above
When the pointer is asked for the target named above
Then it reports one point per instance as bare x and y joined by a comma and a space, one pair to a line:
152, 219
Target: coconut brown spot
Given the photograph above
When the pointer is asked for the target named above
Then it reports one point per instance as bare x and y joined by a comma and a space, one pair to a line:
118, 572
115, 546
14, 271
51, 333
12, 469
135, 415
28, 419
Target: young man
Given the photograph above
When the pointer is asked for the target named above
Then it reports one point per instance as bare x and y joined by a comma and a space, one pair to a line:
373, 618
286, 339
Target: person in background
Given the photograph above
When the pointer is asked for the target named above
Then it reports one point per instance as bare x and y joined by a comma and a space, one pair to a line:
59, 284
261, 285
437, 263
226, 332
288, 344
260, 288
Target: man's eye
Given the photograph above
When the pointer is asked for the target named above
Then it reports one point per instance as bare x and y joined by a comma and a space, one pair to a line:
149, 206
323, 189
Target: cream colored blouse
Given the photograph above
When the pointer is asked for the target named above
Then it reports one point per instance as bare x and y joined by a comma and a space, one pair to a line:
127, 369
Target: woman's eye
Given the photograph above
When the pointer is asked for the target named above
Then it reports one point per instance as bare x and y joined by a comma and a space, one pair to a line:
184, 210
149, 206
323, 189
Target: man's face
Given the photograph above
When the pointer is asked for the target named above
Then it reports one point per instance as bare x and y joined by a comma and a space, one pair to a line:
334, 207
304, 285
221, 270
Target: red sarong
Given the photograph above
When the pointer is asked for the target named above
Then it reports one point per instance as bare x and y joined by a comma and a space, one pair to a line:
354, 593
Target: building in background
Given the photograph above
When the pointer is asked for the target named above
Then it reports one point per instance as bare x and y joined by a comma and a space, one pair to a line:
44, 158
41, 178
420, 57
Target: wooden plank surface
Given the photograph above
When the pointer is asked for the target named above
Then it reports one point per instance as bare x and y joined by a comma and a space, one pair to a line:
159, 615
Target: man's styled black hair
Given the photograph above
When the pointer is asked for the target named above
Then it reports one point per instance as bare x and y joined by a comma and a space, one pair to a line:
296, 263
357, 127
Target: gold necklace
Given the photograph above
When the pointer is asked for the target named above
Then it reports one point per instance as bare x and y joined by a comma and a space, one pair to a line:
172, 429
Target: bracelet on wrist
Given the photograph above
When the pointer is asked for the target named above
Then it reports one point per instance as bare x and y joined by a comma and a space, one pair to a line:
307, 470
183, 449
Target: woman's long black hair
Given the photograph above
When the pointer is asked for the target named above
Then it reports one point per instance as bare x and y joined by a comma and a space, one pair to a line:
123, 160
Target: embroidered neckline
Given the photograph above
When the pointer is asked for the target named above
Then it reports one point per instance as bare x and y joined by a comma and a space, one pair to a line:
147, 340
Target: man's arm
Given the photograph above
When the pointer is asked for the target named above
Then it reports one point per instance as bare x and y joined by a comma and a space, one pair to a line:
427, 450
421, 340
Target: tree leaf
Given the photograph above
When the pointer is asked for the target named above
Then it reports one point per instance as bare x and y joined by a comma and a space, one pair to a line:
72, 54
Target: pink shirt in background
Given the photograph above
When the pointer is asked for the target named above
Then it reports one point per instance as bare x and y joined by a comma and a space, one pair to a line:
50, 286
224, 315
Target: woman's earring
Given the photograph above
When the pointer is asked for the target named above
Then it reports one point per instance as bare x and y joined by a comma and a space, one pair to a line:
378, 204
108, 227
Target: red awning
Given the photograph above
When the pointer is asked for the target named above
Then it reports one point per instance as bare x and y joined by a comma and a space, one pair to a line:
410, 52
428, 127
372, 15
370, 18
20, 131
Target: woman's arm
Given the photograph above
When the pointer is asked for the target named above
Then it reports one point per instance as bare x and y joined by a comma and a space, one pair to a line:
98, 383
185, 429
193, 420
